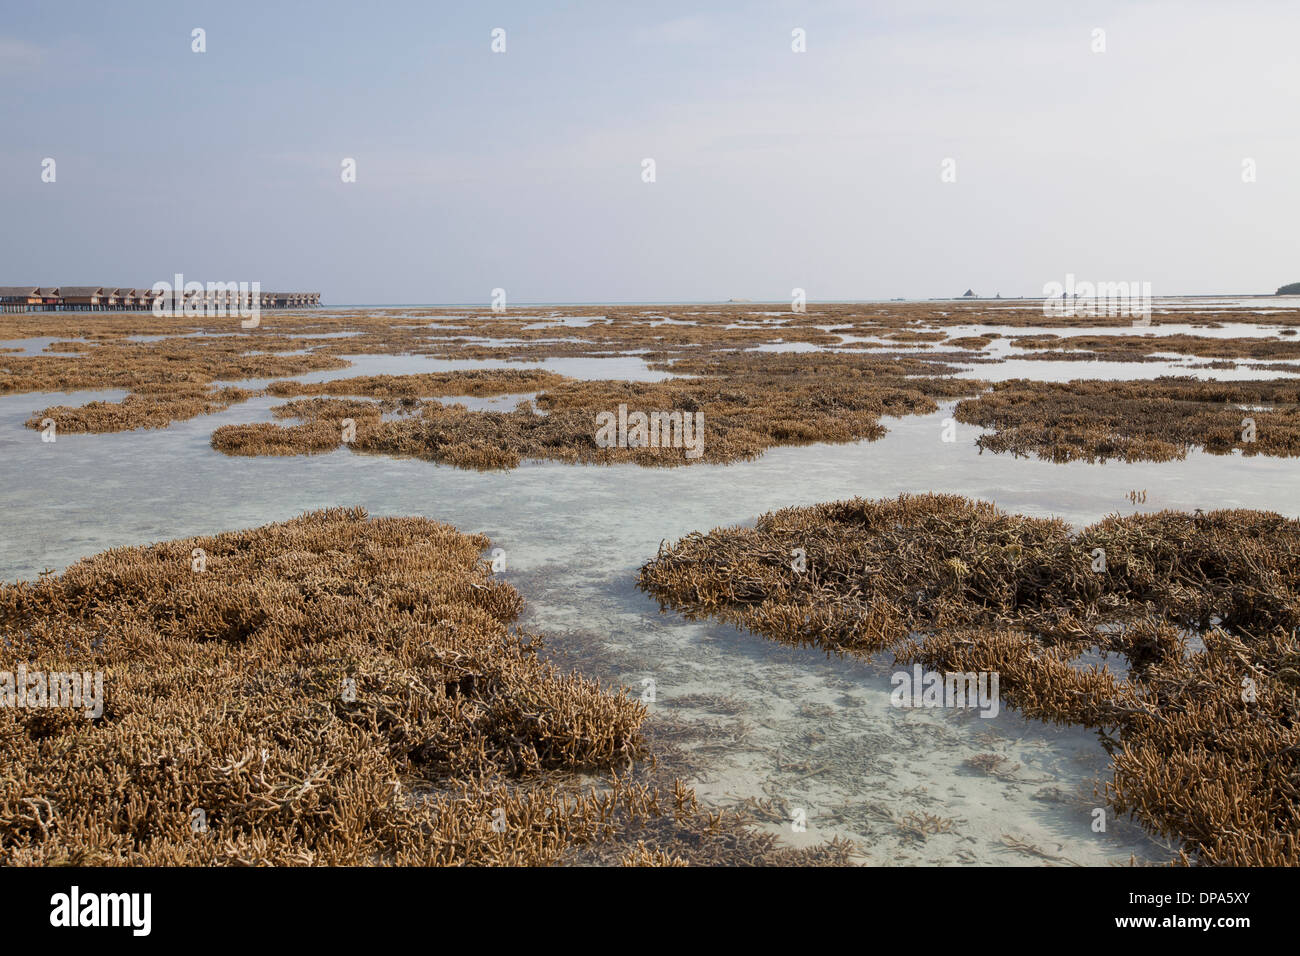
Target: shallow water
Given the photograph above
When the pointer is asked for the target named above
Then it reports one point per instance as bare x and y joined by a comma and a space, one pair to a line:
491, 403
622, 367
1235, 330
1161, 305
1038, 370
757, 719
789, 347
37, 346
568, 321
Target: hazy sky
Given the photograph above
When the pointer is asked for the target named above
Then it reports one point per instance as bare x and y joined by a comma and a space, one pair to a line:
774, 169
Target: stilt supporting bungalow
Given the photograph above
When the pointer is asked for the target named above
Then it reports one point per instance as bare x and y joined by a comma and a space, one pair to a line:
89, 298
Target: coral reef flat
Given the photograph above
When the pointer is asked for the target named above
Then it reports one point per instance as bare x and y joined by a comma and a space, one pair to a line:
333, 690
964, 588
602, 731
759, 379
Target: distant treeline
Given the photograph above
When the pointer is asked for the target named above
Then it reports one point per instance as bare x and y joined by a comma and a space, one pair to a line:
1292, 289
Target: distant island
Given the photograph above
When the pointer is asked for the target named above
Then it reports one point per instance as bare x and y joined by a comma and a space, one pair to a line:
1292, 289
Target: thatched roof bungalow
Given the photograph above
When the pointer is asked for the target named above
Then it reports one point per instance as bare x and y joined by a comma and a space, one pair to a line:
81, 298
20, 298
92, 298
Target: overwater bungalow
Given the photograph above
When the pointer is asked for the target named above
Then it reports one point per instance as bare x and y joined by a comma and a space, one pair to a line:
88, 298
81, 298
20, 298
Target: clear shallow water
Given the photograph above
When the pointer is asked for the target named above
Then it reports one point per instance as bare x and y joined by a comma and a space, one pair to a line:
757, 719
1038, 370
1261, 304
185, 335
36, 346
1007, 347
623, 367
789, 347
568, 321
760, 720
1236, 330
491, 403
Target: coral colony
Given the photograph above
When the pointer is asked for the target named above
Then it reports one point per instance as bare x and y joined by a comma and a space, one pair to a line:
655, 430
418, 725
1007, 602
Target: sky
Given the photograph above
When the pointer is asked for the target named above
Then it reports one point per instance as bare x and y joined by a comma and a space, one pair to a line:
913, 149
